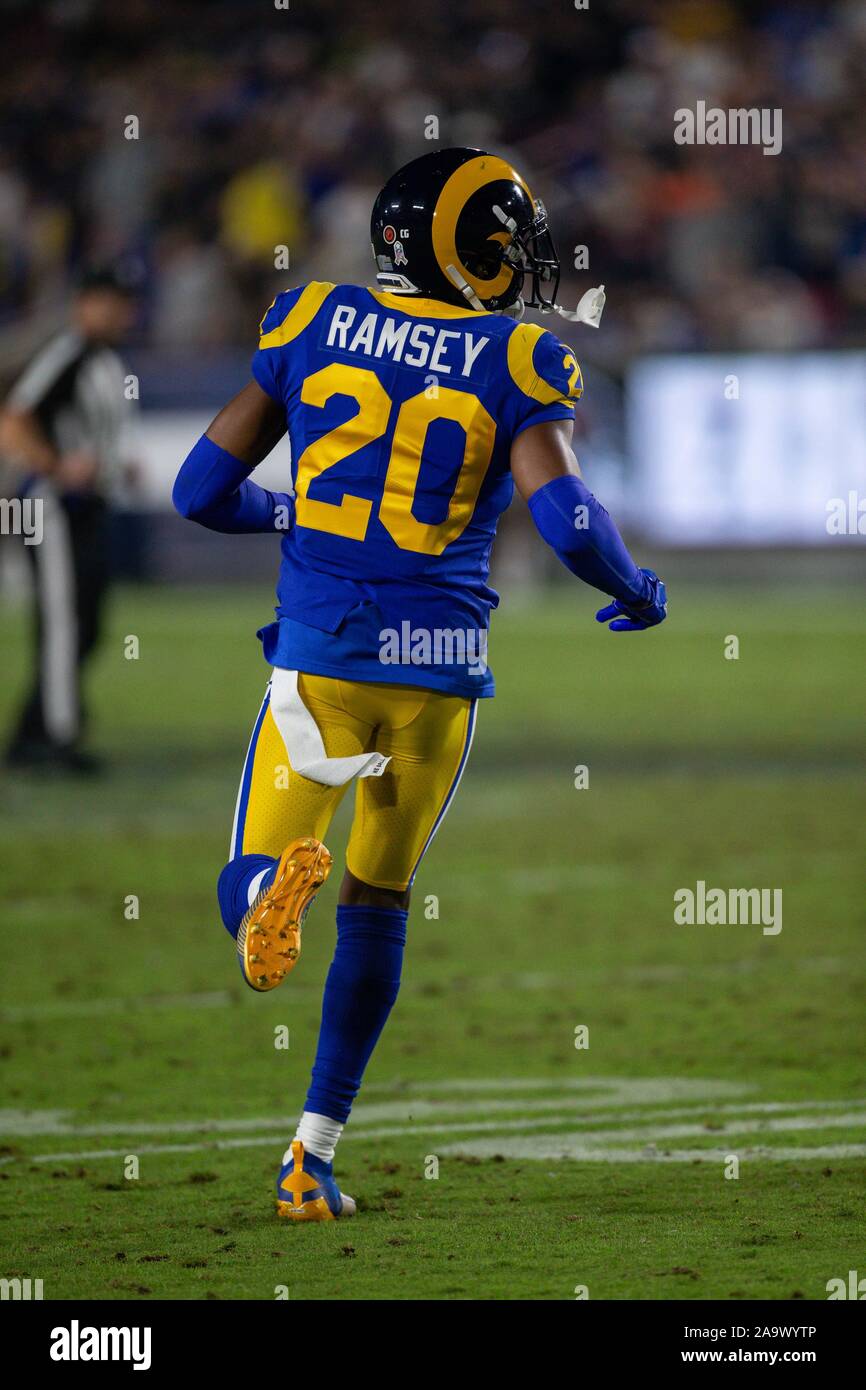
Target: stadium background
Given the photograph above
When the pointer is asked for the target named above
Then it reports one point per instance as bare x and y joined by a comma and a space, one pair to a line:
261, 127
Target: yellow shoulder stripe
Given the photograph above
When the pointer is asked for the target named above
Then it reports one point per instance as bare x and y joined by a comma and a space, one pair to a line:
521, 346
300, 316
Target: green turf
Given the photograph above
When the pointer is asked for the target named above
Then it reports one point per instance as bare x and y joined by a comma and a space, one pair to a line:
555, 909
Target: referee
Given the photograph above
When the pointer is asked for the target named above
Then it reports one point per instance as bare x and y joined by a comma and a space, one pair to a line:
63, 427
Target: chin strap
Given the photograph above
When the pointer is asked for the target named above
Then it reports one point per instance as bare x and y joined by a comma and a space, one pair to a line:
465, 288
514, 311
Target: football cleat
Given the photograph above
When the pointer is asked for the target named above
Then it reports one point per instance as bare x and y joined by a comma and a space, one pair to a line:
306, 1190
269, 937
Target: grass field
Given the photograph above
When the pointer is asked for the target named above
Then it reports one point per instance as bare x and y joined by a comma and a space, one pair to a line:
558, 1167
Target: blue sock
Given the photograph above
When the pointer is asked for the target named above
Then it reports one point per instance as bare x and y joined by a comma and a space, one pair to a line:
360, 991
233, 886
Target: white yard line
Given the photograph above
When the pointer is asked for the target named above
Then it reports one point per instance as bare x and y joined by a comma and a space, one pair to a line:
512, 1136
575, 1148
547, 1147
39, 1123
402, 1117
95, 1008
577, 1153
651, 1133
570, 1094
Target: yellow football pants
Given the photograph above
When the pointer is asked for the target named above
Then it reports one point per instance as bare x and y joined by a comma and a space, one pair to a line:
427, 735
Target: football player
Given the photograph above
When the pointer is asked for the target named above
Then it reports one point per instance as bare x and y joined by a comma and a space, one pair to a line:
412, 411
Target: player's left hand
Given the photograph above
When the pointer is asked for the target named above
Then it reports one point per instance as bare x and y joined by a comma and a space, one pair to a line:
77, 470
634, 618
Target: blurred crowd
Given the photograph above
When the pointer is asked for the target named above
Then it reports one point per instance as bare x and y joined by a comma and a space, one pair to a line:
258, 125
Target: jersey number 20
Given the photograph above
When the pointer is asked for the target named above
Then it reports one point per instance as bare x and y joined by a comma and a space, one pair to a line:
351, 516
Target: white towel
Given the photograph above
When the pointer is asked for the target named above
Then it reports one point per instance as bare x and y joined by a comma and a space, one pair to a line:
304, 745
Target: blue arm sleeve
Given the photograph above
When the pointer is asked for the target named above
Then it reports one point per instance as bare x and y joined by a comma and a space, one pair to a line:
580, 531
213, 489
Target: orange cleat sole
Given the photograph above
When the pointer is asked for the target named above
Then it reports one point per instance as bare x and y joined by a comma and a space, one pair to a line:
269, 938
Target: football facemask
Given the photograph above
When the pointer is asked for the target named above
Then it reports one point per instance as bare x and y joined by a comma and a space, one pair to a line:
531, 249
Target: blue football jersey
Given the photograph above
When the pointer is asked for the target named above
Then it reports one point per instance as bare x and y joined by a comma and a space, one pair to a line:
400, 415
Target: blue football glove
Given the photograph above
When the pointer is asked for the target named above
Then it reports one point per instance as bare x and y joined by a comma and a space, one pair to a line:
637, 617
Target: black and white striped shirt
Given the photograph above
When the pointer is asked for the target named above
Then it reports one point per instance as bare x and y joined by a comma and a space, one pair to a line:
76, 390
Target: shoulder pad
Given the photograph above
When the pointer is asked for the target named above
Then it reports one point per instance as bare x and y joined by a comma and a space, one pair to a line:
542, 367
292, 312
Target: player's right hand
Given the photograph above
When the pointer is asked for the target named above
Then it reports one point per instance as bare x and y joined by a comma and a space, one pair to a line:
637, 617
77, 470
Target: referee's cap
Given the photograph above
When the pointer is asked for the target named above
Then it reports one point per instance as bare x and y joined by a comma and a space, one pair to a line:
125, 278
